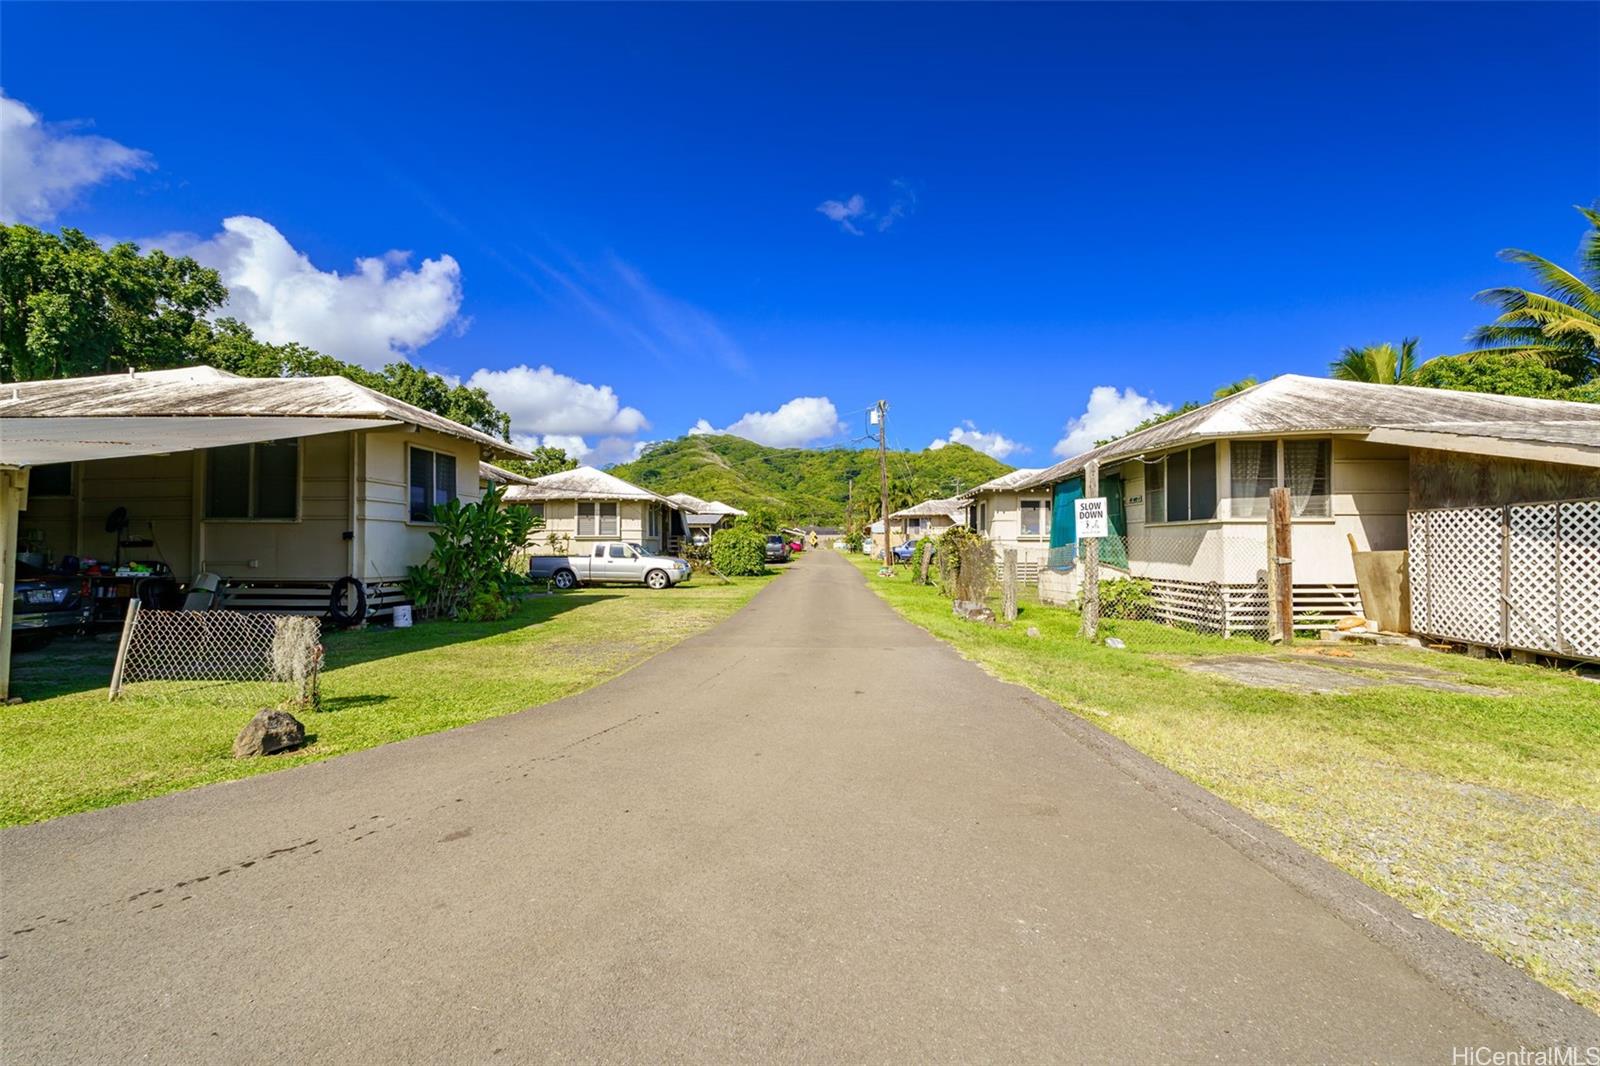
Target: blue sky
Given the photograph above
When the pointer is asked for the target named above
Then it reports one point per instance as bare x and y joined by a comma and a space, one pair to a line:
650, 209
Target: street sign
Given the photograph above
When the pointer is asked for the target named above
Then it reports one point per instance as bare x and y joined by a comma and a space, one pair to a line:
1094, 520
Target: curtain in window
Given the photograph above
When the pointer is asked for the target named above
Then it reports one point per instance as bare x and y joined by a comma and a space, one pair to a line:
1301, 469
1253, 468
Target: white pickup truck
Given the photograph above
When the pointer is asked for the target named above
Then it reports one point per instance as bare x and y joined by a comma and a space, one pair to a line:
609, 563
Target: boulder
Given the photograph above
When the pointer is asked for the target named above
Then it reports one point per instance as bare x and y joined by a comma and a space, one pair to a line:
972, 612
268, 732
1353, 622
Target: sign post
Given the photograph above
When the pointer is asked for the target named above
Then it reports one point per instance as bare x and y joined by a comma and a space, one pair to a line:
1093, 522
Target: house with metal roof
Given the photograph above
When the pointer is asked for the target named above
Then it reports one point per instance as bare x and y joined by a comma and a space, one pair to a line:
278, 486
586, 504
1188, 497
696, 519
1013, 518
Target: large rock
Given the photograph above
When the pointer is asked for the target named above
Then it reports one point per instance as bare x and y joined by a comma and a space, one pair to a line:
268, 732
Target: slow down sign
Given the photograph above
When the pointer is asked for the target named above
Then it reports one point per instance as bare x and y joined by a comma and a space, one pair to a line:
1094, 520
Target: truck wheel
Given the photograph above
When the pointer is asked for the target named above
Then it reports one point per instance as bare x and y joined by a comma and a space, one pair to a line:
565, 579
656, 579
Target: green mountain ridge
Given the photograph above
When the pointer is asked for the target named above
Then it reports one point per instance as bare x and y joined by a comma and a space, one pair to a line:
804, 485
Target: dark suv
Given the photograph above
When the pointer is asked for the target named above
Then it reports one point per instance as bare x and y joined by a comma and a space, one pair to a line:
45, 605
777, 549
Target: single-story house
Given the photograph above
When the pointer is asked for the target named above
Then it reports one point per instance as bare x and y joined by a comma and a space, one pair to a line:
926, 519
1188, 497
697, 519
586, 504
280, 486
1013, 518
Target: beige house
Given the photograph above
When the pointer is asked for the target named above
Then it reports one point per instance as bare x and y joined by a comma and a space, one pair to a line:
697, 519
1188, 497
280, 486
1013, 518
926, 519
589, 505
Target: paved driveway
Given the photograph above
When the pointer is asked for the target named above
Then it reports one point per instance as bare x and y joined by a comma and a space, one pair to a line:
813, 833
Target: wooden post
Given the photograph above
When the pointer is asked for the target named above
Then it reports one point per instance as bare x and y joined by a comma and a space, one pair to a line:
1010, 585
128, 622
13, 494
1280, 569
927, 559
1091, 558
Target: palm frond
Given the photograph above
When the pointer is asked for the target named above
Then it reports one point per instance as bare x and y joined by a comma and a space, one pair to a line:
1557, 281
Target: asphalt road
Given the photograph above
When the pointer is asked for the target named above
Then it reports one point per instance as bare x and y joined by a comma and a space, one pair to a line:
813, 833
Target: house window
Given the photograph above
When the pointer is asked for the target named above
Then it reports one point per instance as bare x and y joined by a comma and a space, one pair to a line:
597, 519
1303, 466
1036, 518
1182, 486
433, 482
254, 480
51, 479
537, 511
655, 522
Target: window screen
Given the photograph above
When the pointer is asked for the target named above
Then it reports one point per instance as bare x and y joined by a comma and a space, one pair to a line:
1178, 487
1203, 483
608, 520
1155, 491
277, 478
1253, 470
444, 481
228, 482
586, 522
421, 485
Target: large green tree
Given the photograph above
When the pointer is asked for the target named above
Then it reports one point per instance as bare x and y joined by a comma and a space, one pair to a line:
69, 307
1378, 364
1560, 323
1505, 374
546, 460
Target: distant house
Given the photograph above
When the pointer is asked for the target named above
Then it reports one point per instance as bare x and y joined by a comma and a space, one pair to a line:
696, 519
489, 474
280, 486
588, 505
1013, 518
1188, 497
926, 519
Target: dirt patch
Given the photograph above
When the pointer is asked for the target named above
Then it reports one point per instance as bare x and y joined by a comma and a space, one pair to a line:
1300, 674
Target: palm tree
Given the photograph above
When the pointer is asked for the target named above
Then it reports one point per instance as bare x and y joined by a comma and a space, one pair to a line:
1378, 364
1559, 326
1237, 386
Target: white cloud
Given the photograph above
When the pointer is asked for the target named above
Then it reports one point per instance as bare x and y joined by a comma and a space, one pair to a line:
621, 298
44, 166
797, 423
383, 311
996, 444
853, 213
540, 400
1109, 413
845, 212
606, 451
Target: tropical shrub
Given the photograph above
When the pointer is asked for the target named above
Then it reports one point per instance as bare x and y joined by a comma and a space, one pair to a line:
1131, 597
739, 551
474, 546
954, 549
855, 541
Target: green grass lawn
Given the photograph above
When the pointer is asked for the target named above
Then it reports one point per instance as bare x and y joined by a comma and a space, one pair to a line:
68, 748
1481, 812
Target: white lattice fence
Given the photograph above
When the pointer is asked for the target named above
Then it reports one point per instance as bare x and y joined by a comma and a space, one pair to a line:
1525, 576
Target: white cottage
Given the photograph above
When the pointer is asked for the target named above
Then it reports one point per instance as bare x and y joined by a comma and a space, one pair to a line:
1013, 518
589, 505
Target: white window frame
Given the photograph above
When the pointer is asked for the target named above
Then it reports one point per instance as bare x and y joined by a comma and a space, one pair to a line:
433, 481
1043, 507
250, 491
595, 512
1155, 500
1315, 511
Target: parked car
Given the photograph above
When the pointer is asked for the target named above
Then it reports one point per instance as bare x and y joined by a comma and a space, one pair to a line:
777, 550
905, 551
46, 605
610, 563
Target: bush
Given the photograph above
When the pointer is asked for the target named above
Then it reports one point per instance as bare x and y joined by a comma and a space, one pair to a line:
739, 552
486, 607
855, 541
1130, 597
474, 546
958, 546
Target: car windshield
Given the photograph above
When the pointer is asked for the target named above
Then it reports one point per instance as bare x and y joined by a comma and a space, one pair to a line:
638, 549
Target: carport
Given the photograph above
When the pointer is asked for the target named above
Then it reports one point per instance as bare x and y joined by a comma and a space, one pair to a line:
28, 440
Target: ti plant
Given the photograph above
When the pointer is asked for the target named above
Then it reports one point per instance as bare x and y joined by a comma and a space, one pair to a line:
474, 545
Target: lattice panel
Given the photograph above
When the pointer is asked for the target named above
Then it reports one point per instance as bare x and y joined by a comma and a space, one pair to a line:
1533, 614
1464, 546
1417, 544
1580, 577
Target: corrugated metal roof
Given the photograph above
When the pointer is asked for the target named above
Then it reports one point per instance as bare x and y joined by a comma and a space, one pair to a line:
500, 475
951, 508
203, 391
1293, 403
1004, 482
696, 505
584, 483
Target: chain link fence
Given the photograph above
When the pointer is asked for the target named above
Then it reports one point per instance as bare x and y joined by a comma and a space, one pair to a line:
1165, 590
230, 656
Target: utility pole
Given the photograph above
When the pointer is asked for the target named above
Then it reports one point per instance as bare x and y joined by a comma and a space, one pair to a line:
883, 477
850, 506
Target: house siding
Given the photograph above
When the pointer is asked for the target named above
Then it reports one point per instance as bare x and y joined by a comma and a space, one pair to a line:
560, 533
